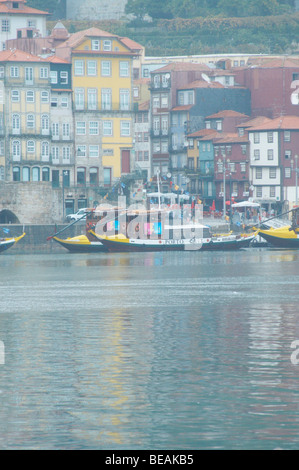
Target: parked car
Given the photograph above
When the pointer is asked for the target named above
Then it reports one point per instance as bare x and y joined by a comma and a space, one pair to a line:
78, 215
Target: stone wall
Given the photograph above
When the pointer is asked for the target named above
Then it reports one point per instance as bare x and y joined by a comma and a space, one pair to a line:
35, 240
95, 9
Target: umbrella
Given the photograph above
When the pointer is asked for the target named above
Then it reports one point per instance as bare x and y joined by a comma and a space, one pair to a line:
213, 207
246, 204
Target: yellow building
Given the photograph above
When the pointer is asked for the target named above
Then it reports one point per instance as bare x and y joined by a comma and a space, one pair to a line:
24, 117
102, 82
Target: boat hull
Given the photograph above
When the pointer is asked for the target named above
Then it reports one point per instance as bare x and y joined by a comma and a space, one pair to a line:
280, 241
9, 242
77, 245
126, 245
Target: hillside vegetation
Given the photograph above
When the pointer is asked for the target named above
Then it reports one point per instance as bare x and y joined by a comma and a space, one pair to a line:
276, 34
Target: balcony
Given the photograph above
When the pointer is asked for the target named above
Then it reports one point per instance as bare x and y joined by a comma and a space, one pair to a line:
160, 85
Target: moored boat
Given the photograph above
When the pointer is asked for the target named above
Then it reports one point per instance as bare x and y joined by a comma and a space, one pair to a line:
81, 244
6, 243
121, 243
282, 237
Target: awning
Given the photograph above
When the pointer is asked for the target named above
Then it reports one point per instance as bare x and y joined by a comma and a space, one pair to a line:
246, 204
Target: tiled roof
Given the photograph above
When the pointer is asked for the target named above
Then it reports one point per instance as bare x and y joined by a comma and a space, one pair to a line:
185, 107
182, 67
76, 38
201, 84
131, 44
254, 122
226, 113
56, 60
282, 122
203, 133
15, 55
231, 138
274, 62
4, 8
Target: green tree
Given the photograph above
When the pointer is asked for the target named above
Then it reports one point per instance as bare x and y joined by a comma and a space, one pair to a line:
44, 5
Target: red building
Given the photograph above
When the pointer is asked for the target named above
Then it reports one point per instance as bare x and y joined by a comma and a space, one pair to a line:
274, 86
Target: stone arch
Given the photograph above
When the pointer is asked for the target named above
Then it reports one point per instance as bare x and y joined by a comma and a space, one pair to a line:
8, 217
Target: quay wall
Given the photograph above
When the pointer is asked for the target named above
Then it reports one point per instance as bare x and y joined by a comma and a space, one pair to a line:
35, 241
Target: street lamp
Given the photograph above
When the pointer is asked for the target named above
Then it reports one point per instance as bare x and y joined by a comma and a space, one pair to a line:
224, 161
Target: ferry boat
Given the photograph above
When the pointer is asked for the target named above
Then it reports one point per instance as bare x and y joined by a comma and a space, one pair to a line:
81, 244
6, 243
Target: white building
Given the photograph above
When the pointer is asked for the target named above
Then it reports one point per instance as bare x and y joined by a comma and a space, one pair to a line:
16, 16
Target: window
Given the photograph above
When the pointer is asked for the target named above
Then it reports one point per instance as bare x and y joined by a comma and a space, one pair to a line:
66, 154
16, 150
81, 172
243, 167
95, 45
106, 98
30, 96
16, 124
219, 125
287, 154
92, 68
64, 102
45, 97
123, 68
272, 173
272, 191
55, 130
14, 72
55, 154
5, 26
124, 98
287, 172
92, 98
79, 98
93, 128
65, 130
79, 67
259, 192
270, 154
53, 77
54, 102
2, 173
270, 137
46, 174
256, 138
125, 128
28, 75
16, 173
107, 128
81, 151
30, 146
256, 154
26, 173
106, 68
45, 124
45, 151
107, 45
2, 147
287, 136
64, 76
43, 72
258, 173
35, 173
2, 71
93, 150
80, 127
15, 96
93, 176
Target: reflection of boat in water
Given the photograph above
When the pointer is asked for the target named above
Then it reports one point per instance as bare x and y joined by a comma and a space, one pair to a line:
80, 244
6, 243
121, 243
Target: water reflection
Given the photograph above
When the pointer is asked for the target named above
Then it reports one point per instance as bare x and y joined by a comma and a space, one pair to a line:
152, 351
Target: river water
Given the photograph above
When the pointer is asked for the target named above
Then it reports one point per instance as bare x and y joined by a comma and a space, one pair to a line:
149, 351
